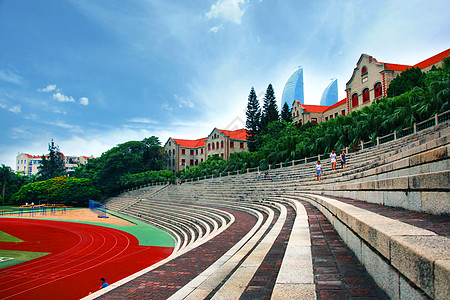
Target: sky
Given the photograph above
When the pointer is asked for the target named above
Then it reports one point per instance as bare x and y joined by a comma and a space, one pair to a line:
93, 74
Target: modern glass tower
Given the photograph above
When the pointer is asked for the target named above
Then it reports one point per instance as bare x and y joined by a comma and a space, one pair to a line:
330, 94
293, 90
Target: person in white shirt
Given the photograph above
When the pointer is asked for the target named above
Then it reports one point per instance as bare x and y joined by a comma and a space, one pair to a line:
333, 160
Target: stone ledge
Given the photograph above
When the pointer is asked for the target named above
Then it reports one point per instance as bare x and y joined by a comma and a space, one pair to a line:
418, 254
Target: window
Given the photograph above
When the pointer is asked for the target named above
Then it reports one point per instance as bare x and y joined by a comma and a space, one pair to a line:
343, 112
217, 145
363, 71
173, 151
326, 119
355, 100
221, 154
213, 144
366, 96
201, 160
378, 90
196, 151
336, 114
242, 145
196, 162
314, 120
231, 144
170, 144
201, 151
183, 151
191, 163
183, 162
221, 144
209, 146
192, 152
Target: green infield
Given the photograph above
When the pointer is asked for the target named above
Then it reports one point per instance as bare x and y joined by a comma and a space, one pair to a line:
10, 257
4, 237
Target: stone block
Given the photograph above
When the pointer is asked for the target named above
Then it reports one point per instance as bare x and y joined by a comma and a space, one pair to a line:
414, 257
368, 185
407, 292
405, 199
429, 156
292, 291
375, 197
442, 279
430, 181
400, 164
382, 273
438, 166
436, 203
400, 183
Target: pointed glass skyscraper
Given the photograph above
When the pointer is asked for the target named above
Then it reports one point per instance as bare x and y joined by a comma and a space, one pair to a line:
293, 90
330, 94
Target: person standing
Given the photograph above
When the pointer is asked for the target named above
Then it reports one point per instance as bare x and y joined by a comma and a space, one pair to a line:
333, 160
343, 161
318, 170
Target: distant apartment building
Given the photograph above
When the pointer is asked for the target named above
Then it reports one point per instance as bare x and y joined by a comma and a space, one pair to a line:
28, 164
190, 153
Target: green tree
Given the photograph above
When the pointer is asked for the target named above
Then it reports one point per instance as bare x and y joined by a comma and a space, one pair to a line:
252, 123
270, 108
52, 165
286, 114
406, 81
5, 176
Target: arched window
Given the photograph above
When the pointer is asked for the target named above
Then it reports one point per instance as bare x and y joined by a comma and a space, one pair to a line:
378, 90
221, 144
355, 100
364, 71
217, 145
366, 96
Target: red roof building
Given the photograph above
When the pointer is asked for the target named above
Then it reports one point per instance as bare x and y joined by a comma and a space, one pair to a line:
190, 153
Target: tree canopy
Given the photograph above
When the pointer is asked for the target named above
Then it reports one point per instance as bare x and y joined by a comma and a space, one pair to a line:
253, 120
52, 165
406, 81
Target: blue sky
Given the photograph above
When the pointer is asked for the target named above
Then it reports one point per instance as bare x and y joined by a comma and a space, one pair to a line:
93, 74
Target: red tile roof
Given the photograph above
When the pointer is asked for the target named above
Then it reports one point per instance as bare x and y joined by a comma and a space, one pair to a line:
434, 59
190, 143
343, 101
239, 134
314, 108
396, 67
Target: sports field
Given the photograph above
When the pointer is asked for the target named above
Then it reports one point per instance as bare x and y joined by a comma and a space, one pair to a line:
55, 259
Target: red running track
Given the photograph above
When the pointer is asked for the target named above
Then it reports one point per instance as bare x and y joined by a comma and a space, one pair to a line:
80, 255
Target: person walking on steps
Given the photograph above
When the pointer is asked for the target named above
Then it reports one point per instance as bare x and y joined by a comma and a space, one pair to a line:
343, 161
333, 160
318, 170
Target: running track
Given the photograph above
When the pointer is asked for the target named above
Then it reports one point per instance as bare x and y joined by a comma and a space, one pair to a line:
80, 255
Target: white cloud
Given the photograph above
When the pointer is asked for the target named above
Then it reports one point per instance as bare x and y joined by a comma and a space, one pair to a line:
84, 101
48, 88
143, 120
15, 109
228, 10
216, 29
63, 98
10, 77
166, 106
183, 102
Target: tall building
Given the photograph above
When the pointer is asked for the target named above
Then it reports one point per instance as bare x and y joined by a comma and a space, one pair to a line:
293, 90
330, 94
29, 164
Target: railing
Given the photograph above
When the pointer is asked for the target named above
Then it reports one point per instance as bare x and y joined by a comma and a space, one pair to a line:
437, 119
